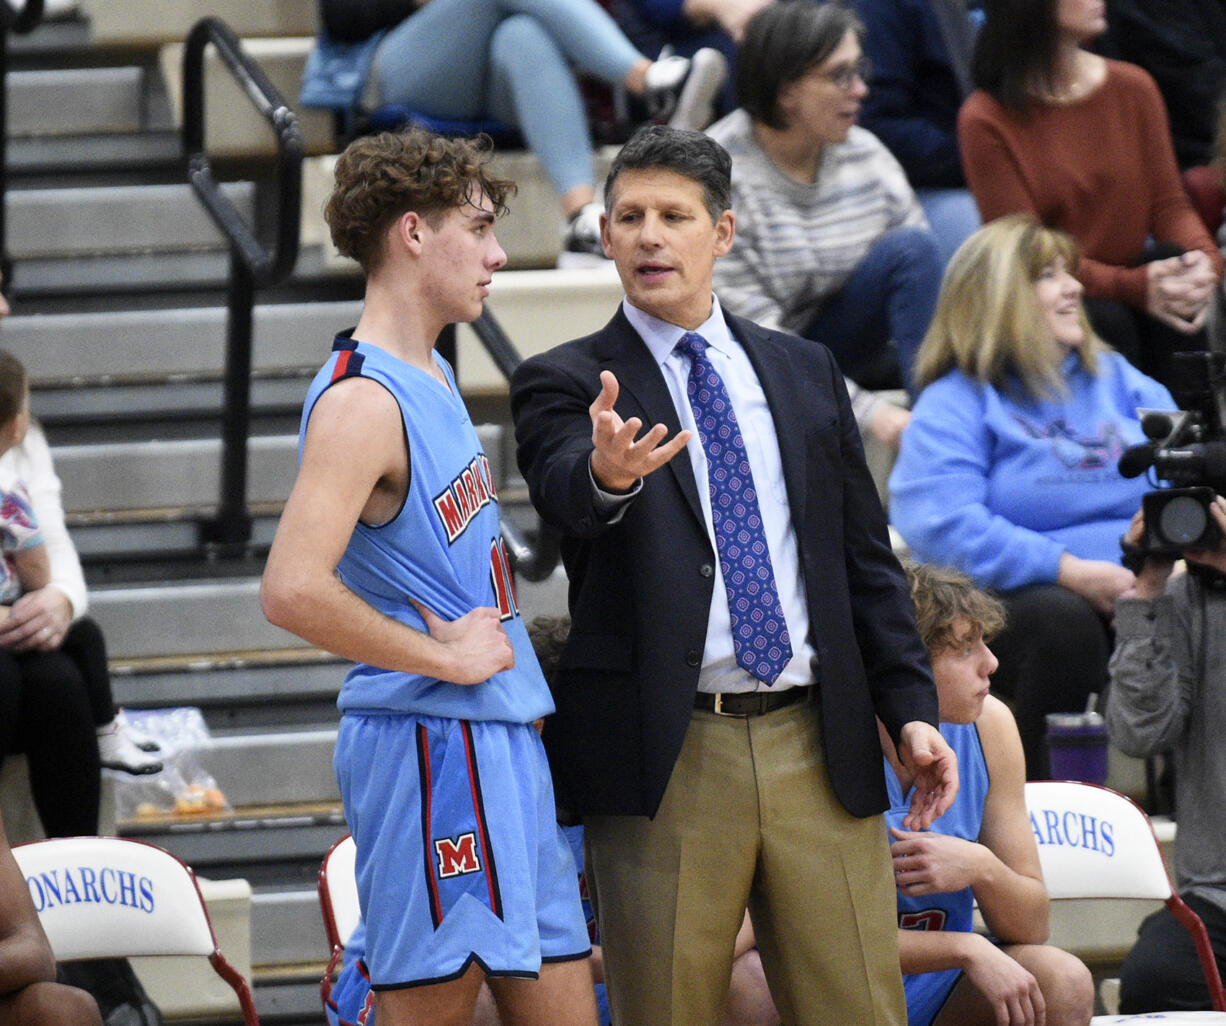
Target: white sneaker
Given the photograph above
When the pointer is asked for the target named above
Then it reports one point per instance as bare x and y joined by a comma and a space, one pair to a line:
117, 751
145, 742
682, 91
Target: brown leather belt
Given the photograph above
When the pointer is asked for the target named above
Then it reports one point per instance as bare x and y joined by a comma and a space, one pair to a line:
750, 703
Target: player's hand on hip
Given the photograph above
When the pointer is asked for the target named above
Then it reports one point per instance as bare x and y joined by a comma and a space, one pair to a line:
619, 459
476, 646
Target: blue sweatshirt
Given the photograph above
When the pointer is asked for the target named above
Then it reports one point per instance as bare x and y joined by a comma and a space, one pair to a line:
1001, 487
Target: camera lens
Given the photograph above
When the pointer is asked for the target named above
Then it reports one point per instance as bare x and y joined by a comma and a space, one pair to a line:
1183, 520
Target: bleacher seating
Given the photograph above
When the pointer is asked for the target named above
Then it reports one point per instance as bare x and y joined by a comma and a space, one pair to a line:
121, 323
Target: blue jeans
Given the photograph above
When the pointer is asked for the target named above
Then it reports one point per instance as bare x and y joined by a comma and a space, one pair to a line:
509, 60
890, 296
953, 216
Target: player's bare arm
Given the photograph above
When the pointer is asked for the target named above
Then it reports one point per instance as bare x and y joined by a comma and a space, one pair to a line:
1013, 898
1002, 868
619, 458
355, 466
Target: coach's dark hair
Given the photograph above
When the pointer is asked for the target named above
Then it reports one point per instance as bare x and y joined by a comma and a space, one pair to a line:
380, 177
692, 154
1015, 52
782, 42
12, 387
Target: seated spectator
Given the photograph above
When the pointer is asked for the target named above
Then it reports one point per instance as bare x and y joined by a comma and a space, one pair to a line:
981, 852
513, 61
1008, 467
1168, 693
1182, 44
921, 75
1082, 144
55, 693
685, 27
29, 995
831, 243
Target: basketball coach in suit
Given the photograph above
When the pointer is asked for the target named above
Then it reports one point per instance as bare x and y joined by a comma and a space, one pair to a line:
738, 619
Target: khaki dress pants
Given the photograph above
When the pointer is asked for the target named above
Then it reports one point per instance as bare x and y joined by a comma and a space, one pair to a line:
748, 818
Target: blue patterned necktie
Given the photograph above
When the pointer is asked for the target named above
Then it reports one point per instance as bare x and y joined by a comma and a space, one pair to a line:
759, 631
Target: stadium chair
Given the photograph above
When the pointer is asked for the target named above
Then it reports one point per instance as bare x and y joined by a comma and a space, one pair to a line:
338, 900
1096, 843
109, 897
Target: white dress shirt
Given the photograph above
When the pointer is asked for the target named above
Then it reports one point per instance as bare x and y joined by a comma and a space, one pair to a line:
720, 671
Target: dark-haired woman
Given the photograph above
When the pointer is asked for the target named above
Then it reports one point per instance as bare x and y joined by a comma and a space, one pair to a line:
1082, 144
831, 243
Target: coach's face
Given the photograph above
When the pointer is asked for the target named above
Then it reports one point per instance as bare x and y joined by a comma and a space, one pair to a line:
661, 237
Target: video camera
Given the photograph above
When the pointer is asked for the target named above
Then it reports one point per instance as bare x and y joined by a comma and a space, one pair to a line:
1187, 450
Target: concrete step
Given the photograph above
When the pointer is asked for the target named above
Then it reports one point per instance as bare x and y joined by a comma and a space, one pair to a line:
185, 474
170, 409
143, 346
274, 768
148, 24
232, 126
237, 690
287, 927
186, 619
117, 219
177, 475
274, 847
537, 310
70, 101
152, 155
211, 617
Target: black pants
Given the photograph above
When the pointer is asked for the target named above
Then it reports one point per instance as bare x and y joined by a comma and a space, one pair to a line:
51, 704
1053, 653
1162, 972
1147, 343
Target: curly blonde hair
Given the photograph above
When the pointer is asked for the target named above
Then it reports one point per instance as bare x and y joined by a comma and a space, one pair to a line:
942, 596
380, 177
988, 323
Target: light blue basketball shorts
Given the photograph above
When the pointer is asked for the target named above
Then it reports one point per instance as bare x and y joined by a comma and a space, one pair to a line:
459, 855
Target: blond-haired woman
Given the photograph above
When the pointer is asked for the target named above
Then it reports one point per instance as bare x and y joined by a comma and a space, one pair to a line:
1008, 470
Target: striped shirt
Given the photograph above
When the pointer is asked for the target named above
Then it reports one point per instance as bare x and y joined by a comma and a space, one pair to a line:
797, 244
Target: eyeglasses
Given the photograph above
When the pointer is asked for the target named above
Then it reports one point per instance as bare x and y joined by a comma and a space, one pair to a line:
845, 75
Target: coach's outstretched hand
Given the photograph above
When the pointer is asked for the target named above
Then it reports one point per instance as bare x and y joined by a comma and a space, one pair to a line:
619, 460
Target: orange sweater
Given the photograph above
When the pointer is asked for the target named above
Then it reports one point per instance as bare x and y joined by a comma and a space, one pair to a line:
1102, 169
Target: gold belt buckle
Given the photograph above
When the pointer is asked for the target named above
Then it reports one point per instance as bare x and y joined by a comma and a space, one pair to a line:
719, 708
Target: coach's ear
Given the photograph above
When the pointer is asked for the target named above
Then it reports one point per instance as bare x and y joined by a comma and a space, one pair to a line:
725, 232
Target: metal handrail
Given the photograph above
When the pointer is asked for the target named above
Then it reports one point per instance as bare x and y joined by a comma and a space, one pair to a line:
536, 561
20, 22
251, 264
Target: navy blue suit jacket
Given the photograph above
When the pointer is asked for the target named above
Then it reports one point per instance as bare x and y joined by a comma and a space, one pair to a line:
640, 589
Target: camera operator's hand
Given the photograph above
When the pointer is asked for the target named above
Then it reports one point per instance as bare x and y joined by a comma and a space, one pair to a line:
1216, 557
1098, 582
1151, 581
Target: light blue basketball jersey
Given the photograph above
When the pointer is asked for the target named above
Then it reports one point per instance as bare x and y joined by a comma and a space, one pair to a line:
927, 992
443, 548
